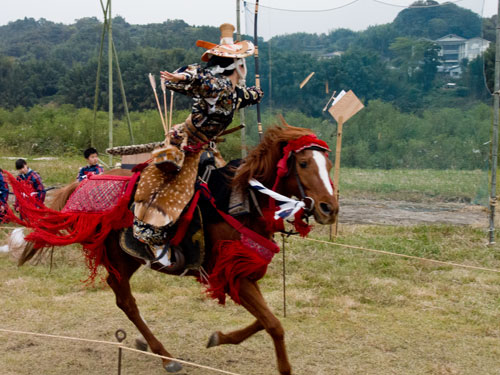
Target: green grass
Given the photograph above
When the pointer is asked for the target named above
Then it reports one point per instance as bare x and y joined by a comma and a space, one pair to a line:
348, 311
400, 184
414, 185
57, 171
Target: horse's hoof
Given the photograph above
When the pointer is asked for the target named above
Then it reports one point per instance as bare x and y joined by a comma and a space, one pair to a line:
213, 340
140, 344
173, 366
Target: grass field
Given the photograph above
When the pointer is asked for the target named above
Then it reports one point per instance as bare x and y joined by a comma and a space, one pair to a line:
399, 184
348, 311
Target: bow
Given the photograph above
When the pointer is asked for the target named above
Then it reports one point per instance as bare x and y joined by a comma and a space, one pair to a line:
257, 75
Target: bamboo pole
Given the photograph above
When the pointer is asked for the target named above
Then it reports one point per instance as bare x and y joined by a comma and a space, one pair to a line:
98, 76
336, 176
494, 150
110, 79
124, 97
241, 110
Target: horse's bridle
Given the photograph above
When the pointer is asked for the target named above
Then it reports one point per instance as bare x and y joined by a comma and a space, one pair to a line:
308, 201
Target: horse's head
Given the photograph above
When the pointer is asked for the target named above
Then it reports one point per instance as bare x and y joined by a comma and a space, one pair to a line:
293, 162
309, 180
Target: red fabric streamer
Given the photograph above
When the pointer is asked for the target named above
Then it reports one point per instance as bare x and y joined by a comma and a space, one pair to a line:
272, 225
300, 225
54, 228
234, 261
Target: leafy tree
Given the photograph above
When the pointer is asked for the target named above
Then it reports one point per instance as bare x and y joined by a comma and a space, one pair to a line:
435, 22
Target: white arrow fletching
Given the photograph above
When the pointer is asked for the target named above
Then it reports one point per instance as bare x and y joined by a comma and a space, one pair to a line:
152, 81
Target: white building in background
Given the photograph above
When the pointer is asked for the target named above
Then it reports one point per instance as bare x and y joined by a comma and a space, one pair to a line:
454, 49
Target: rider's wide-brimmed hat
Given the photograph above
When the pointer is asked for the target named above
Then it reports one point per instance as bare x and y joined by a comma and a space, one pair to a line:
227, 47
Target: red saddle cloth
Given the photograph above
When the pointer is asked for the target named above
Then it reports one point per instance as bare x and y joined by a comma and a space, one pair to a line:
97, 194
98, 206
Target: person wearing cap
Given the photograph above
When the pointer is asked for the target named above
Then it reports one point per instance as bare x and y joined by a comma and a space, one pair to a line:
218, 91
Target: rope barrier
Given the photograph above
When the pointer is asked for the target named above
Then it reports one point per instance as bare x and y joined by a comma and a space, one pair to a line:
403, 255
116, 344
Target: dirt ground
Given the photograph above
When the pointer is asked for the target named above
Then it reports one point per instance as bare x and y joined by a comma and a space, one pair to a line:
393, 212
365, 211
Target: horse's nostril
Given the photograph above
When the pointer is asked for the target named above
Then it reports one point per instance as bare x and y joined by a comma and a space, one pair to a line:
325, 208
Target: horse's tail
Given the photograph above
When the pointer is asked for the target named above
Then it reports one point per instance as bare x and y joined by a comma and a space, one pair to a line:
62, 195
17, 243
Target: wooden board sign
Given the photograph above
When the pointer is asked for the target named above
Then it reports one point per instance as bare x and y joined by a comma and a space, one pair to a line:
345, 107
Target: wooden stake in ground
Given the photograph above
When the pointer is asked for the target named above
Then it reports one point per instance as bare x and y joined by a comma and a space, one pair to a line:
344, 106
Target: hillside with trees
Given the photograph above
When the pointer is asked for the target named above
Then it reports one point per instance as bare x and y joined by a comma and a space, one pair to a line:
393, 68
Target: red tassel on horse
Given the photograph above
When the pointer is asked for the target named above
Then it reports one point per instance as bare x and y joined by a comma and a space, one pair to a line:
233, 261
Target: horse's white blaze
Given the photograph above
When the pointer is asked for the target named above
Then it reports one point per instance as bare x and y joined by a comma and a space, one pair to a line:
320, 160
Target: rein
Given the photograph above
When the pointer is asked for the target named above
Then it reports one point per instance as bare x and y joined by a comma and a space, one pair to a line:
306, 203
261, 240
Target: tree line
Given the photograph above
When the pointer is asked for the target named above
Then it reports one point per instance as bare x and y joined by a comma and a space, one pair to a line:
49, 68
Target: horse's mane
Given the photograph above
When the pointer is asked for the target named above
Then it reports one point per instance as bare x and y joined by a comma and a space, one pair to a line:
261, 161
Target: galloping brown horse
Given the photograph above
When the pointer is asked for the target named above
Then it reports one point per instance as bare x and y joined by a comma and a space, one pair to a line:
308, 176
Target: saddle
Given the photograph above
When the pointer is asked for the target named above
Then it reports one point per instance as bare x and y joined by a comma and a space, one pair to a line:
190, 252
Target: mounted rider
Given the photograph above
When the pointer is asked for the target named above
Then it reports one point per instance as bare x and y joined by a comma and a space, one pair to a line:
218, 90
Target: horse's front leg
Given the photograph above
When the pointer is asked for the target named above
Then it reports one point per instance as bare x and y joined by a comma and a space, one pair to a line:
251, 299
126, 302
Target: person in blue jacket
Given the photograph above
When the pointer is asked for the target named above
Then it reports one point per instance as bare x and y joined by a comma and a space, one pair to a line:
4, 196
93, 166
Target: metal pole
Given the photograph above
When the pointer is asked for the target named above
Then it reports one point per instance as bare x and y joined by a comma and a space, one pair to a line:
494, 149
242, 110
120, 336
284, 275
110, 79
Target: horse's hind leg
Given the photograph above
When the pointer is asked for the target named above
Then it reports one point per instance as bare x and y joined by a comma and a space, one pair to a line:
126, 302
234, 337
251, 299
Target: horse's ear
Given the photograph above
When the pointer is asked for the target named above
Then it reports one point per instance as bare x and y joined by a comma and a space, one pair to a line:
282, 120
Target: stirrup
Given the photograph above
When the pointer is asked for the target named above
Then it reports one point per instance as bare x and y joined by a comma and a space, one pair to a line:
134, 247
174, 258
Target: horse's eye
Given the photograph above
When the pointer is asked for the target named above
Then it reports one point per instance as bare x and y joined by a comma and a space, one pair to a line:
303, 164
